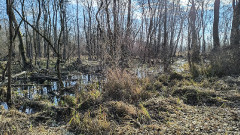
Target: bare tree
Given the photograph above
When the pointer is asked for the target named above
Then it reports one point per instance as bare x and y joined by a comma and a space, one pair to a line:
203, 28
26, 64
116, 28
194, 46
216, 42
165, 50
10, 16
235, 32
78, 30
125, 45
55, 51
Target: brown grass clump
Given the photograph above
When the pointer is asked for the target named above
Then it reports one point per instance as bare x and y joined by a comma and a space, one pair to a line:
68, 100
88, 124
121, 85
126, 130
122, 109
89, 99
12, 122
196, 96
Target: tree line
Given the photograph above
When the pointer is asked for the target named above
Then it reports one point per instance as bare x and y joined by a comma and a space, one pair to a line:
116, 31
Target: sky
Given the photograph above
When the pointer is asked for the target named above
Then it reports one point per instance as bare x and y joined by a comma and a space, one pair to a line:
136, 7
184, 3
224, 2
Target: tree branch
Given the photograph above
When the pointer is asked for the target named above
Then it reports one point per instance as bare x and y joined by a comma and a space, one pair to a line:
45, 38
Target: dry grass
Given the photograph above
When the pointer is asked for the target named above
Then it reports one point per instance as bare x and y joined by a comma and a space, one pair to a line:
13, 122
86, 124
121, 85
68, 101
122, 109
143, 114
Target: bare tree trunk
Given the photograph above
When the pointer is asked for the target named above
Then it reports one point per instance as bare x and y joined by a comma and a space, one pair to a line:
125, 45
116, 27
10, 16
49, 26
189, 45
64, 28
28, 54
26, 64
86, 33
55, 23
233, 3
78, 32
165, 50
178, 38
194, 47
216, 42
109, 32
56, 51
171, 43
45, 26
235, 33
159, 36
37, 26
100, 36
89, 30
203, 30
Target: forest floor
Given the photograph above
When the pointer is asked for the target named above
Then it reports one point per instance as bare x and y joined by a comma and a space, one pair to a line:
131, 103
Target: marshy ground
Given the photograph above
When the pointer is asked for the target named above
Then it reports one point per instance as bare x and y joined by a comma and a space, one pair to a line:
138, 100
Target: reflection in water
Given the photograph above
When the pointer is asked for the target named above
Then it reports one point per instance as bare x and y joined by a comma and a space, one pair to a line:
55, 100
54, 85
5, 106
29, 111
144, 72
141, 73
50, 90
178, 65
26, 110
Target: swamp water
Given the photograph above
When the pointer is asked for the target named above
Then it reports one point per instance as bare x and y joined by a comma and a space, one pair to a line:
49, 89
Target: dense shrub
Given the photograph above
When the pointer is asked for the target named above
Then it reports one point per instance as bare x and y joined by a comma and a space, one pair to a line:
225, 62
153, 86
89, 99
121, 85
68, 101
164, 78
195, 71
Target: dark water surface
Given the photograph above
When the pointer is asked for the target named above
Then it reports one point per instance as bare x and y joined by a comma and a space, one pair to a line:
33, 89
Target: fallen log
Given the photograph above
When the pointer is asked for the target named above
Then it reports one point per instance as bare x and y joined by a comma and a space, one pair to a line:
14, 76
19, 74
19, 85
42, 78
